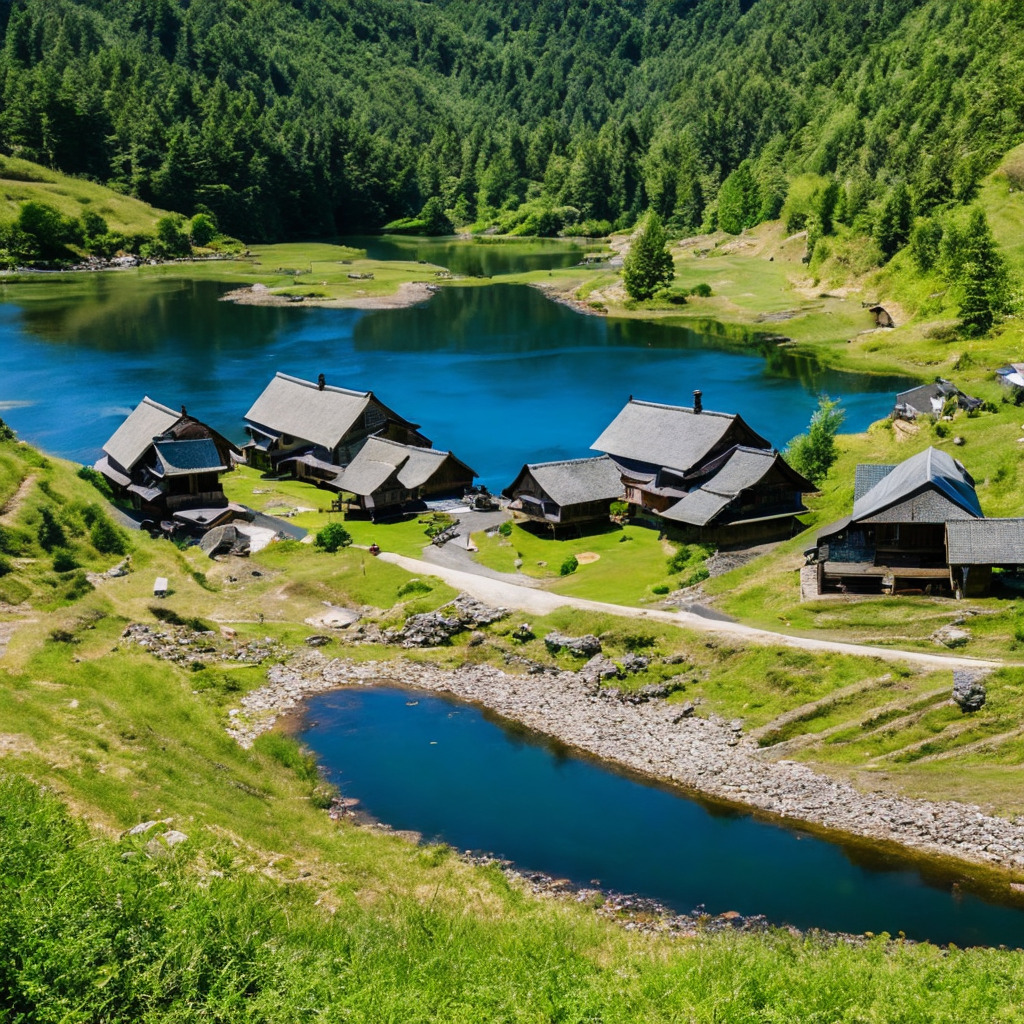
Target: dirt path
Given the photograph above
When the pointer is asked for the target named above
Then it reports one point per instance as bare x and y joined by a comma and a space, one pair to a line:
543, 602
15, 501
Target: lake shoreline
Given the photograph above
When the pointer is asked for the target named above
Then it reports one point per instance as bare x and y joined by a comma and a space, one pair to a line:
708, 758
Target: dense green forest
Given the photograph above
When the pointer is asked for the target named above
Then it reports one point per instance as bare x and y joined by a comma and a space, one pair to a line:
297, 118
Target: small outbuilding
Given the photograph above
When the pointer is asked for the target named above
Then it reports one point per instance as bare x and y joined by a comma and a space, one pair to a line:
566, 493
977, 546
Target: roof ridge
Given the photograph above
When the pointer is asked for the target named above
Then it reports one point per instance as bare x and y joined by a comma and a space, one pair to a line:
566, 462
682, 408
316, 387
410, 447
146, 400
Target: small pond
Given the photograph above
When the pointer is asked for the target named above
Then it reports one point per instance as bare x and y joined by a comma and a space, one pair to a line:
460, 775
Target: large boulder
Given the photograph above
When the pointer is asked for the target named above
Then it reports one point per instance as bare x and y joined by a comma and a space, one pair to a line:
473, 612
430, 629
968, 690
579, 646
598, 670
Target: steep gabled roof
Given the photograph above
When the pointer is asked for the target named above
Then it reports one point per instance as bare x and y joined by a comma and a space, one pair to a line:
928, 469
985, 541
741, 470
180, 458
133, 438
379, 458
574, 481
669, 435
866, 475
290, 405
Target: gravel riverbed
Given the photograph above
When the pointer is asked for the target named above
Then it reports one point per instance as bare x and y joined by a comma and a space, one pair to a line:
709, 756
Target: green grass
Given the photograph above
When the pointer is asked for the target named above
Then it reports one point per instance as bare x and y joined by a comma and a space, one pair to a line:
22, 181
630, 561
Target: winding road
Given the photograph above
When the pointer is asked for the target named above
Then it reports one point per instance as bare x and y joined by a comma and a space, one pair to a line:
535, 601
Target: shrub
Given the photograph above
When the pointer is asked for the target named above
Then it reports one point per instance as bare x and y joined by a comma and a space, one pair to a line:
414, 587
661, 588
6, 434
638, 641
64, 561
438, 523
98, 480
50, 533
332, 537
505, 529
697, 577
107, 538
679, 561
619, 508
703, 290
6, 566
569, 566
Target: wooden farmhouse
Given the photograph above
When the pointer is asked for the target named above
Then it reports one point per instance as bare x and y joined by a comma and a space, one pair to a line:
169, 464
898, 534
387, 479
568, 493
931, 399
313, 428
708, 474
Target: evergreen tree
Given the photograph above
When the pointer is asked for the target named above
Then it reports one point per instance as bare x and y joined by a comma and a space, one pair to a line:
813, 453
983, 277
892, 229
739, 200
648, 264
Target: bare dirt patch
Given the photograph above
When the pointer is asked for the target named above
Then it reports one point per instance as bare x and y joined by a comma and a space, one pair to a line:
409, 293
586, 557
10, 507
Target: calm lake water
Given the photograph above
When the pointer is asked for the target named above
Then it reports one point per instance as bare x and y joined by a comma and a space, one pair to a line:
459, 775
498, 374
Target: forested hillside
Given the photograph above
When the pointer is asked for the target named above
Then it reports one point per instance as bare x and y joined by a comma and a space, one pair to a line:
290, 118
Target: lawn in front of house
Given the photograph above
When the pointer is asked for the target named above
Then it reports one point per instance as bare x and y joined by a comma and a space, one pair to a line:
630, 561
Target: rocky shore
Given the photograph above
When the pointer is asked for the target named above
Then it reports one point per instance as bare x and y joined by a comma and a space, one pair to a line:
708, 756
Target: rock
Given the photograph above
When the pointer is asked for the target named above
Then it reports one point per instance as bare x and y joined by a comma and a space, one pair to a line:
599, 669
141, 828
523, 632
686, 711
476, 638
579, 646
317, 640
951, 636
653, 691
429, 629
173, 837
335, 618
968, 690
635, 663
473, 612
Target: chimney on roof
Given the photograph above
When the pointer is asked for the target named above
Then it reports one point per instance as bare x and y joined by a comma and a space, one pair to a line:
698, 406
321, 382
183, 413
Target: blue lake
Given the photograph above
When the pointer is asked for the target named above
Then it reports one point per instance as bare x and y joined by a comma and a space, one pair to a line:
455, 773
498, 374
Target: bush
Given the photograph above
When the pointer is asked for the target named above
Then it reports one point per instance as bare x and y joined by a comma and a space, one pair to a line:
172, 618
332, 537
619, 508
505, 529
64, 561
697, 577
6, 566
414, 587
107, 538
6, 434
50, 533
569, 566
703, 290
98, 480
661, 588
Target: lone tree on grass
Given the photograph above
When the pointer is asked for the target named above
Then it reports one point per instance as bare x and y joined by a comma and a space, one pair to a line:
648, 264
984, 281
332, 537
813, 453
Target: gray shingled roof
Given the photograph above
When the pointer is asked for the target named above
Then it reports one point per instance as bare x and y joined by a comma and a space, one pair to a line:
743, 469
180, 458
132, 439
298, 407
379, 458
574, 481
922, 397
930, 468
666, 435
866, 475
985, 541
